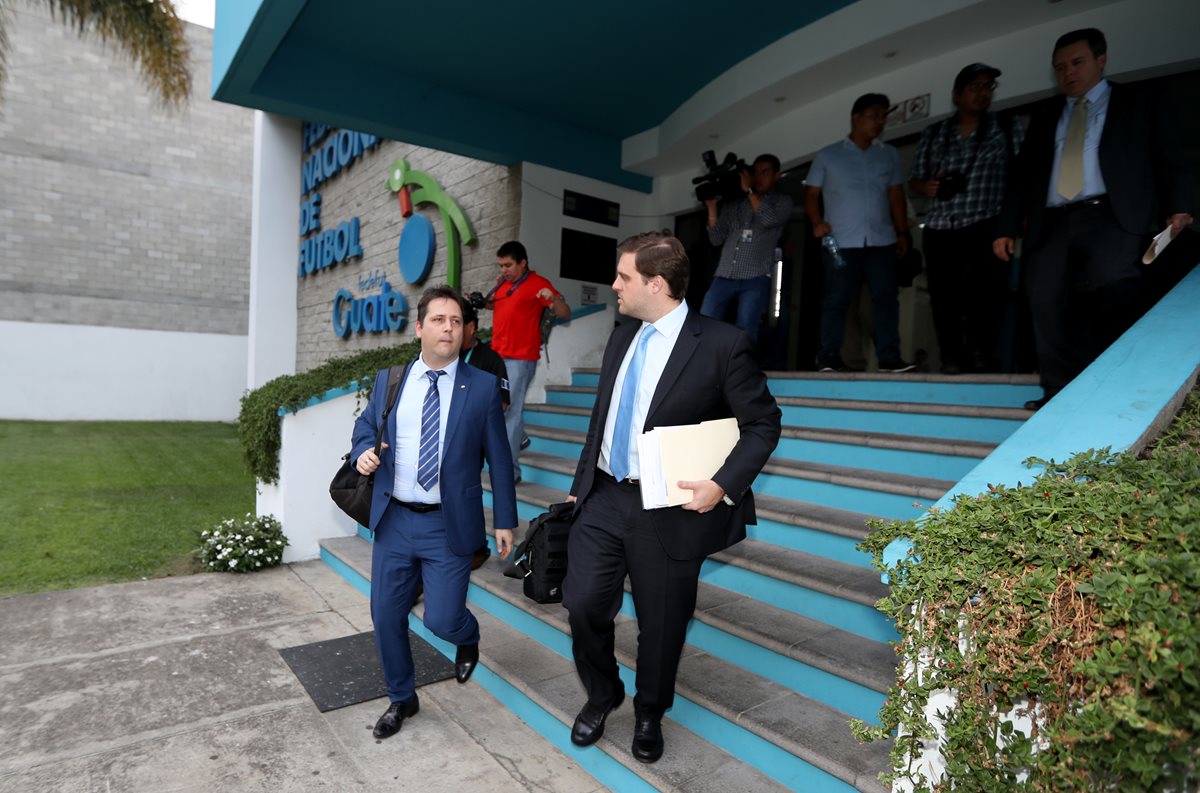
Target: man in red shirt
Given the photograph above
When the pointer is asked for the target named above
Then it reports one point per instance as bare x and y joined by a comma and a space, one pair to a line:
518, 300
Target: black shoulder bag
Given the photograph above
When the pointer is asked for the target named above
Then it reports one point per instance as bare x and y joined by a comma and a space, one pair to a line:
350, 490
540, 562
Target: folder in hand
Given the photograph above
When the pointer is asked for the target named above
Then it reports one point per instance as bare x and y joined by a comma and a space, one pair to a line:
690, 452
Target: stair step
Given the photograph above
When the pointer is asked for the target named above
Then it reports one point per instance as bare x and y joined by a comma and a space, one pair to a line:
783, 720
912, 454
548, 679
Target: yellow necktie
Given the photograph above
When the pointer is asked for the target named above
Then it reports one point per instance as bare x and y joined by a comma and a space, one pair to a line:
1070, 168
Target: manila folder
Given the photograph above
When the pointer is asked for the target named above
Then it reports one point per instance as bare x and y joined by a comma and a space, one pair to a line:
693, 452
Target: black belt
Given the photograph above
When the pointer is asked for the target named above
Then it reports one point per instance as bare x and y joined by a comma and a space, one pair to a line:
1087, 203
416, 507
615, 481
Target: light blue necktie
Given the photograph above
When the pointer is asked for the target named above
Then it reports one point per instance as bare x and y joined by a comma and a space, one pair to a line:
623, 431
431, 421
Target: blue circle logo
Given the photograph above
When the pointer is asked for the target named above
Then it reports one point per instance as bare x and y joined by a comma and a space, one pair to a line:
417, 243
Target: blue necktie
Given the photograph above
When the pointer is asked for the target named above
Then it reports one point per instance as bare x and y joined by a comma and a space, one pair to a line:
431, 422
623, 431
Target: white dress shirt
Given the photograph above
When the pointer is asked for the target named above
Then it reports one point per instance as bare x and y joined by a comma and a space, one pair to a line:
1097, 112
407, 443
658, 350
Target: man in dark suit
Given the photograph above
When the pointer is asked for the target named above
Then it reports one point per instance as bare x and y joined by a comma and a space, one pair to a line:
673, 367
427, 504
1100, 170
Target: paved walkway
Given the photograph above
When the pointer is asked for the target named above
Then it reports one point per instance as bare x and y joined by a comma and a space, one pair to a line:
176, 684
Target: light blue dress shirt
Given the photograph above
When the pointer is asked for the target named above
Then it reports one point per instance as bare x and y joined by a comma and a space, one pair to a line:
408, 431
1093, 181
658, 350
854, 183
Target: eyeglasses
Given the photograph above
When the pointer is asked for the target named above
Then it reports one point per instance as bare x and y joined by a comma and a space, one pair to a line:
991, 85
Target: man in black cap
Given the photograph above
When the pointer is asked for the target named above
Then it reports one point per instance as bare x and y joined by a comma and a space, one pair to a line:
961, 166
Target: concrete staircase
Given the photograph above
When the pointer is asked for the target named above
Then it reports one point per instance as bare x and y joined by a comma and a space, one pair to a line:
786, 645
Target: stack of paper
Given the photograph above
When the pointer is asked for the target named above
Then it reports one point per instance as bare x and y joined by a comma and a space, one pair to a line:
691, 452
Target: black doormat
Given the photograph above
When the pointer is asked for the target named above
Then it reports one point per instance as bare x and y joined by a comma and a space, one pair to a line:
346, 671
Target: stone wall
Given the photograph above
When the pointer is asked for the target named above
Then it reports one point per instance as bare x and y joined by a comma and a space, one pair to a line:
489, 195
114, 212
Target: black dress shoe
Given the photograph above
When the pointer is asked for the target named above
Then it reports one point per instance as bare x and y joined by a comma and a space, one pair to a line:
393, 718
589, 724
1036, 404
647, 738
465, 661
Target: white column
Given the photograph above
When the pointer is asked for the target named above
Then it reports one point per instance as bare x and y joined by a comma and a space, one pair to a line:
274, 231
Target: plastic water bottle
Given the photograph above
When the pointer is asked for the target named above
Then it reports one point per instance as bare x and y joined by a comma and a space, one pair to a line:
830, 244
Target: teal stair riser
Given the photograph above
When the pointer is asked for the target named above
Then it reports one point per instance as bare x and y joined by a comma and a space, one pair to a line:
559, 421
829, 609
926, 425
782, 766
888, 390
896, 461
976, 394
594, 760
814, 541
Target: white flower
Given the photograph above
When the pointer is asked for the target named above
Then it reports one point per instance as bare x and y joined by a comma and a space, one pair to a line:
233, 562
279, 542
258, 564
204, 534
212, 564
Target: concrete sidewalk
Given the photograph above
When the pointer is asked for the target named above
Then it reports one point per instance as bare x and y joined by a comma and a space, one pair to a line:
176, 684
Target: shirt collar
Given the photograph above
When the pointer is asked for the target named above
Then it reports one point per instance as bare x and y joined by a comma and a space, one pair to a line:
420, 368
851, 144
1098, 92
669, 324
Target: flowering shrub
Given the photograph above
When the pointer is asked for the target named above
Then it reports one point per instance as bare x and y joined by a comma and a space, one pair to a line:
243, 545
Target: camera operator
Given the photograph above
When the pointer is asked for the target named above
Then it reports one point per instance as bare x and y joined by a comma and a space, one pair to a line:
748, 231
518, 300
961, 166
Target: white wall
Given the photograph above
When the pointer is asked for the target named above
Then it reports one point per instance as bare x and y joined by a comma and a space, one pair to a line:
274, 249
313, 440
542, 221
579, 344
80, 372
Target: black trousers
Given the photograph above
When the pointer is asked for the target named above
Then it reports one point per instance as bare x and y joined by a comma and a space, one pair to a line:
612, 537
968, 289
1084, 280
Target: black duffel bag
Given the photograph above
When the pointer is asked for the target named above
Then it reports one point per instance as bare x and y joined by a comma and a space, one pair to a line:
540, 561
350, 490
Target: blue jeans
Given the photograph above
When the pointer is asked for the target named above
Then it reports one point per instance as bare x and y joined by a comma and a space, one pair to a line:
750, 295
878, 266
520, 375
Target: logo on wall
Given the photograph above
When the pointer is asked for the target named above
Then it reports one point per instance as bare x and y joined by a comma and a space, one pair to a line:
419, 240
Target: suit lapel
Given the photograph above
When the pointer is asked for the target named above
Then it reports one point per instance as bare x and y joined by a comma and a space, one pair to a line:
614, 353
685, 346
458, 401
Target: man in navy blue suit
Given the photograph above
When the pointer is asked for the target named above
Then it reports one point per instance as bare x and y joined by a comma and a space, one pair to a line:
427, 505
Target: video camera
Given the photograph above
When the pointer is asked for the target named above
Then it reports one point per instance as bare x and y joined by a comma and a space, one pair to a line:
723, 180
476, 300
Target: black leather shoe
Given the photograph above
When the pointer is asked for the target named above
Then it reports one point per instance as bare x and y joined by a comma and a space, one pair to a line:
393, 718
465, 661
589, 724
647, 738
1036, 404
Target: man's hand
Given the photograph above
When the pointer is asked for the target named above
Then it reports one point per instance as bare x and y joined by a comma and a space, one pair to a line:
706, 494
545, 293
747, 180
1003, 248
570, 499
1178, 221
821, 229
368, 461
927, 188
504, 542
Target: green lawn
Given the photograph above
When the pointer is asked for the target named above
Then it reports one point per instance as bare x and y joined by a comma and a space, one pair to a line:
86, 503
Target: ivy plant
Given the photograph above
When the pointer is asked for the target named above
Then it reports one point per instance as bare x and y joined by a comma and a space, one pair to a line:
259, 420
1074, 600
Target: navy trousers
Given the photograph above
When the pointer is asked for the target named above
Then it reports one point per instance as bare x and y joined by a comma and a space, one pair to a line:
412, 546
